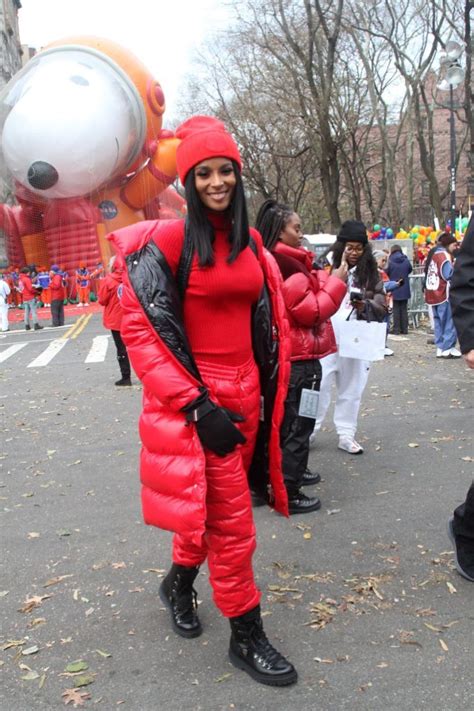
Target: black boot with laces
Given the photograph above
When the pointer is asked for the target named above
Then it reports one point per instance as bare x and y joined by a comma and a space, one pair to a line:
251, 651
178, 594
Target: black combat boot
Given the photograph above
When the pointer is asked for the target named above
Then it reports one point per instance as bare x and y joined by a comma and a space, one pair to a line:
38, 327
251, 651
124, 365
123, 381
310, 478
178, 594
299, 503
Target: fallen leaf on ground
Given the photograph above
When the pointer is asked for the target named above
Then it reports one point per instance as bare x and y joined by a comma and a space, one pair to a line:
13, 643
75, 697
30, 650
36, 621
30, 676
33, 534
83, 680
56, 580
451, 587
78, 666
103, 654
413, 444
32, 602
279, 588
223, 677
432, 627
443, 645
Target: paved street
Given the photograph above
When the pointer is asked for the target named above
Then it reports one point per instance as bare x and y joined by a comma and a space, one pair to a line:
361, 595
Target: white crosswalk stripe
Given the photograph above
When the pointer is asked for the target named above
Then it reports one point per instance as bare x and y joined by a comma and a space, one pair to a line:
11, 350
48, 354
98, 350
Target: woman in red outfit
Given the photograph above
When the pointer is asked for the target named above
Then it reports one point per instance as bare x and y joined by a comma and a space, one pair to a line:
311, 298
109, 289
204, 325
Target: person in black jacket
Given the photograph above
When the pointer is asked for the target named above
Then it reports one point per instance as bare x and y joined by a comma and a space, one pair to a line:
399, 267
461, 524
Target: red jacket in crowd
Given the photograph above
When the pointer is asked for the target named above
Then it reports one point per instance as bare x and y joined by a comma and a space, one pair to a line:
58, 292
108, 297
311, 298
26, 287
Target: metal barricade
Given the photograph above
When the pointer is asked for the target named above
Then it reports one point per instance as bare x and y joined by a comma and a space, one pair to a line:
417, 308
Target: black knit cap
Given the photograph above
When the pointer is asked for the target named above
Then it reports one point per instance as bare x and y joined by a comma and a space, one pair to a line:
445, 239
353, 231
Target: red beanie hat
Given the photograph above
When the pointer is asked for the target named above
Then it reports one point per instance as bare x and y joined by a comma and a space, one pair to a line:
203, 137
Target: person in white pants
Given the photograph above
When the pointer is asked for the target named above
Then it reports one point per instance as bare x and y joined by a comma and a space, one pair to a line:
4, 292
350, 377
365, 299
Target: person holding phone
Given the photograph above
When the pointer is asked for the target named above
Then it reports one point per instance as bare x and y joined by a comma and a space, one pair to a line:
365, 299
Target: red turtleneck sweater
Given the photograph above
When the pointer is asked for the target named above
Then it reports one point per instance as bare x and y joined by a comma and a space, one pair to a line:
219, 298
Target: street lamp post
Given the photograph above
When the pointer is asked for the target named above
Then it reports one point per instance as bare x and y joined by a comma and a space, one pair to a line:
454, 75
452, 167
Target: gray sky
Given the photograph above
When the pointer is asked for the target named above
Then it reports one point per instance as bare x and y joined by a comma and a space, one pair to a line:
162, 33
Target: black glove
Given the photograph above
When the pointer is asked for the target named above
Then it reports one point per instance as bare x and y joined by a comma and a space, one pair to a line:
215, 426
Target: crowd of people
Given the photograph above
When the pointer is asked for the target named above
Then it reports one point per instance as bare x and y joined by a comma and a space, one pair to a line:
33, 287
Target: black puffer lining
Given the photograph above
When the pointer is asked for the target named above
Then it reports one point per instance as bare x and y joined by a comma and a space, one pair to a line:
155, 287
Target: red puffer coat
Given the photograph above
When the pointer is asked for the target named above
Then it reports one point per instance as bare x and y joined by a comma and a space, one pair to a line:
311, 298
172, 459
108, 297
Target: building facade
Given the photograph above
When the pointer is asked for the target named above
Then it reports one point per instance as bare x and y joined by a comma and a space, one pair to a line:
10, 45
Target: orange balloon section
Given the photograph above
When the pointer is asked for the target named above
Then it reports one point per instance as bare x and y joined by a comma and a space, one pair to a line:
83, 147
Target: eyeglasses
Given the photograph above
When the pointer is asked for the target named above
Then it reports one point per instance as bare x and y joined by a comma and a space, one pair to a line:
355, 248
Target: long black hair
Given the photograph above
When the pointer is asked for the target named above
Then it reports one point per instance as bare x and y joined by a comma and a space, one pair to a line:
201, 230
271, 221
366, 272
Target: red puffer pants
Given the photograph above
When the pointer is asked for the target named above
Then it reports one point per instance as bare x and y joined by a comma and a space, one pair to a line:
229, 539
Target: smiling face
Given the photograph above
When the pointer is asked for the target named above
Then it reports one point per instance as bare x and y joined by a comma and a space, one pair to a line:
215, 183
353, 252
292, 234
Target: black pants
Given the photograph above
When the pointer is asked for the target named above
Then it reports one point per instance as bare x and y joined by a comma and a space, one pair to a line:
464, 517
400, 316
122, 355
57, 312
295, 430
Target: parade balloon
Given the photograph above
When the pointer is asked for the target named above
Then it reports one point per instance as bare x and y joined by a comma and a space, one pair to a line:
389, 233
376, 228
83, 147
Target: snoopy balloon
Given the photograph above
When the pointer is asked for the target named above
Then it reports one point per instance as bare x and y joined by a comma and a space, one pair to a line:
82, 139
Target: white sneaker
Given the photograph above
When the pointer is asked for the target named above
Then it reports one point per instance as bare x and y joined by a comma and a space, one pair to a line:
348, 444
455, 353
439, 353
388, 352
